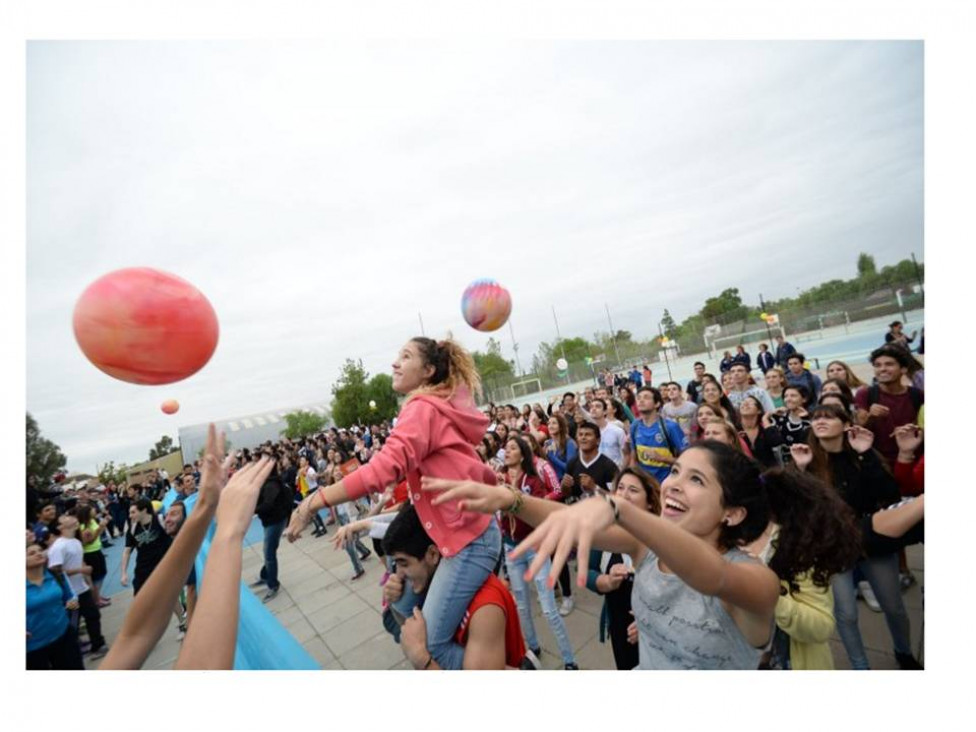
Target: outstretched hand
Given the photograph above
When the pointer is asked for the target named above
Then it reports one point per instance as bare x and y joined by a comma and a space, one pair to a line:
213, 474
240, 496
299, 520
560, 533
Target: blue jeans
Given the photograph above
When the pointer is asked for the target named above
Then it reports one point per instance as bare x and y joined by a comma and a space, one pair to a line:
452, 589
272, 537
882, 574
353, 547
547, 599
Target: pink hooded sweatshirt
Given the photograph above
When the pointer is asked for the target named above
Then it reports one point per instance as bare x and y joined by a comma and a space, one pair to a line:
433, 437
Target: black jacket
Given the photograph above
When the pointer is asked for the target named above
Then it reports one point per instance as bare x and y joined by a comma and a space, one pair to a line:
863, 481
275, 501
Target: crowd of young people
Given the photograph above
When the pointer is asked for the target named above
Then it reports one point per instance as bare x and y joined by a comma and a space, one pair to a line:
725, 526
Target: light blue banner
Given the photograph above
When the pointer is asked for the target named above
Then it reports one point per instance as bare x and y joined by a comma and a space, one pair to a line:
263, 644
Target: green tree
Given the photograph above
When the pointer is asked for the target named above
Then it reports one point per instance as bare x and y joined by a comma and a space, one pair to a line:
379, 390
866, 266
109, 473
302, 423
44, 458
668, 325
350, 402
163, 448
577, 349
728, 304
491, 364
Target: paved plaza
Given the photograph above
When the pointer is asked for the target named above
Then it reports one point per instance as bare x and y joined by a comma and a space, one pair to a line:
338, 621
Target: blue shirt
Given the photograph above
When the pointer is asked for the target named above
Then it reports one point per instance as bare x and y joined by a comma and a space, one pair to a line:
47, 619
650, 441
559, 462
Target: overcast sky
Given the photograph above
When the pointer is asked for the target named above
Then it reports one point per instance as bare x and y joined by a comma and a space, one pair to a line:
322, 195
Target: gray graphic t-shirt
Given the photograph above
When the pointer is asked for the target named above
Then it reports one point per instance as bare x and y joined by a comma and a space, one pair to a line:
680, 628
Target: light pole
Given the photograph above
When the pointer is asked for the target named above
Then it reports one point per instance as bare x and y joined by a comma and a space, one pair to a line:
613, 335
762, 306
559, 339
667, 361
518, 363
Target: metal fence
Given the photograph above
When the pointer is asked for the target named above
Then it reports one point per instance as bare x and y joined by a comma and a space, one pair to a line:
799, 319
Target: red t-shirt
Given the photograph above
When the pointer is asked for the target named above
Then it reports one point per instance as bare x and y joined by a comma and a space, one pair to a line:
902, 411
494, 592
401, 493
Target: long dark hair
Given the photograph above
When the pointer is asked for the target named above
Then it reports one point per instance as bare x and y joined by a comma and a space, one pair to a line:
818, 534
563, 440
820, 464
527, 463
818, 530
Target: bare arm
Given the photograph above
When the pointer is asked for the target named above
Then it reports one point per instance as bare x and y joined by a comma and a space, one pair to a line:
896, 522
487, 498
148, 617
211, 639
126, 553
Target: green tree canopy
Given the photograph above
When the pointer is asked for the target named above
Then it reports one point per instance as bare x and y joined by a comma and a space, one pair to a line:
350, 402
491, 364
44, 458
729, 303
109, 473
163, 448
865, 265
668, 325
379, 389
302, 423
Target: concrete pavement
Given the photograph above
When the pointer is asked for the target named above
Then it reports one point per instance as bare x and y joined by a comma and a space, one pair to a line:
338, 621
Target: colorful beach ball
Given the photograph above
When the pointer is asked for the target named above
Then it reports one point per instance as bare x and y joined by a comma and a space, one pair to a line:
145, 326
170, 406
486, 305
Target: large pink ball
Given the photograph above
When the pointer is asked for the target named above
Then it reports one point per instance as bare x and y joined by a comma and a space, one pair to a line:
145, 326
486, 305
170, 406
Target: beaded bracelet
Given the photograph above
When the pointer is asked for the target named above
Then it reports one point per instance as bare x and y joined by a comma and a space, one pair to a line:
517, 503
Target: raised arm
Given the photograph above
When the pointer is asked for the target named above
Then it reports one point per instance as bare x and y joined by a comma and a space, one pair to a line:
749, 590
486, 498
211, 638
149, 615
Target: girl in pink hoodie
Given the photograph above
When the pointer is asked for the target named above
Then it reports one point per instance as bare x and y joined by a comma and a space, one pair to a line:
435, 435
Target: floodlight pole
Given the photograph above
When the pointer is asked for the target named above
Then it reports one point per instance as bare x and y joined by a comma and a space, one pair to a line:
613, 335
559, 339
518, 364
421, 325
667, 362
762, 307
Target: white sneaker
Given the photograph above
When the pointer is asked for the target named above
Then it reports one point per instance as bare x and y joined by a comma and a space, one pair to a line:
865, 591
566, 606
